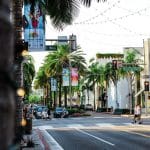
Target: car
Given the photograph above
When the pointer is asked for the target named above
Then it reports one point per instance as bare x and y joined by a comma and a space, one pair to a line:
82, 106
88, 107
38, 111
60, 112
75, 106
45, 113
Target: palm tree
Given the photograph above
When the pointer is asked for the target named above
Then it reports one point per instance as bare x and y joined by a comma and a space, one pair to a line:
7, 89
130, 70
94, 76
55, 62
41, 81
28, 74
112, 75
59, 16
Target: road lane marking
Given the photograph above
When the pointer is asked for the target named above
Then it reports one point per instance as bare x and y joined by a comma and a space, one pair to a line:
44, 127
53, 144
75, 126
105, 125
141, 134
100, 139
107, 117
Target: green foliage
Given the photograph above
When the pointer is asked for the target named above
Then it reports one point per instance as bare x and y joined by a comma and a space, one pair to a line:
121, 111
75, 110
130, 56
34, 98
28, 73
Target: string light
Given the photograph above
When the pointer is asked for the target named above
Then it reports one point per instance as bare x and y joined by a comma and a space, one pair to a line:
23, 122
20, 92
114, 19
94, 17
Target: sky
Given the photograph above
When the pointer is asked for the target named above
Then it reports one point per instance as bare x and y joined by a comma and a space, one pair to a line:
106, 27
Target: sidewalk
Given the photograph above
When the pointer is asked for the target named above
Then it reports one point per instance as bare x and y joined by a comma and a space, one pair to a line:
143, 116
38, 140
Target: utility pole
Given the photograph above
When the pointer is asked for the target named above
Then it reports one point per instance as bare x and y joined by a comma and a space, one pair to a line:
73, 47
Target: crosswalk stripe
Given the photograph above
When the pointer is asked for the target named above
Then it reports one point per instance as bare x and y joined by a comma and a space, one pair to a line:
44, 127
75, 126
105, 125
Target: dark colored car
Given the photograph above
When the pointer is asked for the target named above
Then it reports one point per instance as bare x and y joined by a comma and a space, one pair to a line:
60, 112
82, 106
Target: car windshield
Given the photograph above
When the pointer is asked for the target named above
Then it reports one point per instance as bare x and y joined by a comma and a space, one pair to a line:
59, 109
40, 109
44, 109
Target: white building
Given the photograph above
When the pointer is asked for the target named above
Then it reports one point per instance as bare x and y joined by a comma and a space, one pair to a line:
119, 96
116, 96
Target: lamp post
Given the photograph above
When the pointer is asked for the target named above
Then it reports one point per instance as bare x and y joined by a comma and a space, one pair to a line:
73, 47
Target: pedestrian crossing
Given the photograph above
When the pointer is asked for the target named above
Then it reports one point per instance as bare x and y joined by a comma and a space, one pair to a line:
85, 126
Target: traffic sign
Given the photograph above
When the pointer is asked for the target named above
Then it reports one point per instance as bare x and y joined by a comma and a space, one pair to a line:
146, 76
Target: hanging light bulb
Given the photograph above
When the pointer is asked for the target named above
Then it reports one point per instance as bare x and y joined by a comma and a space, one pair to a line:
23, 122
20, 92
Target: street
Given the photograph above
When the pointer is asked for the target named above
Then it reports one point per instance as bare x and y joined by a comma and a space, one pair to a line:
103, 132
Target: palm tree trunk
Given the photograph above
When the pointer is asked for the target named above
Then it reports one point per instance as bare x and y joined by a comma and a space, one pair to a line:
55, 104
17, 11
94, 95
117, 103
6, 86
60, 84
130, 93
88, 95
65, 95
50, 95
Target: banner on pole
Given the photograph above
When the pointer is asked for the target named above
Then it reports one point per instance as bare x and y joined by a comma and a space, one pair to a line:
74, 77
65, 76
53, 84
33, 24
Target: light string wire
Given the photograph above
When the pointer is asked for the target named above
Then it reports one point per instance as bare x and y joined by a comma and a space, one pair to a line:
113, 19
94, 17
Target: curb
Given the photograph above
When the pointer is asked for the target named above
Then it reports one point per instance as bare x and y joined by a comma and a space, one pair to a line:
43, 143
143, 116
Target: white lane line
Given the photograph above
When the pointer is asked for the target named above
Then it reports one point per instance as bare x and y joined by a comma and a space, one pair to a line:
75, 126
51, 141
107, 117
99, 117
105, 125
100, 139
43, 127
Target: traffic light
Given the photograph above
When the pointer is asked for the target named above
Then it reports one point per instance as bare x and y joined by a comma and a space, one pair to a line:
114, 64
73, 42
146, 85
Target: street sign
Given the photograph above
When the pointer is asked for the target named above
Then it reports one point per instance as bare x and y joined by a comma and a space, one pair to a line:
146, 76
51, 47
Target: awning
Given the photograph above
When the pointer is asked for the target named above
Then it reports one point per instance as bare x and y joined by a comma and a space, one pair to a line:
138, 93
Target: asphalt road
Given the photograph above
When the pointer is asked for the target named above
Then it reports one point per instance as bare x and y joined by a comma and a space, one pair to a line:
95, 133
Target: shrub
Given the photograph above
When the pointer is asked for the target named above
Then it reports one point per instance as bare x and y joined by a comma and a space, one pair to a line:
119, 111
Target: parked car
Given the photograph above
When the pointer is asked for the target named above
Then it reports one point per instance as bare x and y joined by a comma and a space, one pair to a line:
82, 106
38, 111
88, 107
75, 106
60, 112
45, 113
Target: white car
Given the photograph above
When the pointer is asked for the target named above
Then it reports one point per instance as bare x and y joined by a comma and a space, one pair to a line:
44, 115
88, 107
